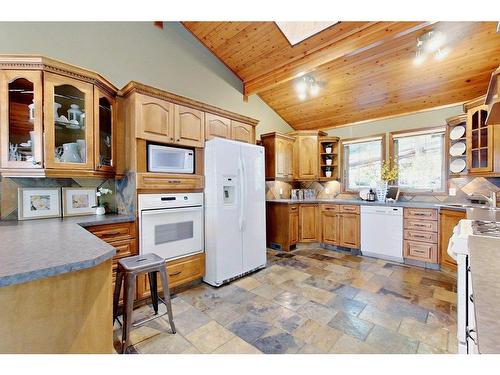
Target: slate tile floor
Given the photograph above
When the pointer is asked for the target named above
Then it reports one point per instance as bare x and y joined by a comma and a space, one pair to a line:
311, 301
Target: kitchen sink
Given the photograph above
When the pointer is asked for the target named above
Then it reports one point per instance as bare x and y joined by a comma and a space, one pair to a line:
483, 214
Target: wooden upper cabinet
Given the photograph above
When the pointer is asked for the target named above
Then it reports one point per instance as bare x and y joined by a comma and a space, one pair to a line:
242, 132
155, 119
21, 119
189, 128
217, 126
306, 157
68, 112
309, 223
479, 141
349, 230
278, 155
105, 118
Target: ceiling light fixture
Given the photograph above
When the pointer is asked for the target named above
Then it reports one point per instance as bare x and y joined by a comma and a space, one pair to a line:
307, 86
431, 43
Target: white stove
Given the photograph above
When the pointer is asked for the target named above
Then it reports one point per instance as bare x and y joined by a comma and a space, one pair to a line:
458, 249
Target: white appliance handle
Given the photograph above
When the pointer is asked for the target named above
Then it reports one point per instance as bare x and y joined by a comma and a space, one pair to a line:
240, 182
164, 211
244, 197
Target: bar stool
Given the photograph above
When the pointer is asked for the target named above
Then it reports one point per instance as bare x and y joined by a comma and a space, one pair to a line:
128, 270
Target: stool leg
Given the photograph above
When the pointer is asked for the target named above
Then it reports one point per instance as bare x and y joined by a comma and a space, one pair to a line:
153, 286
129, 306
116, 294
166, 296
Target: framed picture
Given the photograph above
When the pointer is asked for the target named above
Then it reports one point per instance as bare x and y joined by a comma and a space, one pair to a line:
39, 203
78, 201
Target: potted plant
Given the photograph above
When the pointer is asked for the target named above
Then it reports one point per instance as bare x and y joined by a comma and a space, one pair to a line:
389, 172
328, 160
328, 148
328, 172
101, 206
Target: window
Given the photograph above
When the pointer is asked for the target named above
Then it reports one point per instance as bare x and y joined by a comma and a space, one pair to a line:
421, 161
362, 162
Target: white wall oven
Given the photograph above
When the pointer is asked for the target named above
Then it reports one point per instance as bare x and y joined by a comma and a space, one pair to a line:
167, 159
171, 225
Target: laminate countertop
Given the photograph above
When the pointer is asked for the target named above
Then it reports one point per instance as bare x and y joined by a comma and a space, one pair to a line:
484, 256
34, 249
409, 204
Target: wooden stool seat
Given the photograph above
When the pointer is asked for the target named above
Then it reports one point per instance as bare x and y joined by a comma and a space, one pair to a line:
128, 270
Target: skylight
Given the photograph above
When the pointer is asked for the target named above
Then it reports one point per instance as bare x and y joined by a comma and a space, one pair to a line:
296, 32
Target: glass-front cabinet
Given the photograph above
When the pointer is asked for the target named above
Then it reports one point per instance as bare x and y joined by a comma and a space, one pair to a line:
480, 140
105, 121
69, 123
21, 119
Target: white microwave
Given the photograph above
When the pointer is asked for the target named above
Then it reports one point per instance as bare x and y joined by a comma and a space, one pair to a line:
167, 159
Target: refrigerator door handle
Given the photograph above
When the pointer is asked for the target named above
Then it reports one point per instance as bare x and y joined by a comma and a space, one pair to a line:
240, 182
244, 196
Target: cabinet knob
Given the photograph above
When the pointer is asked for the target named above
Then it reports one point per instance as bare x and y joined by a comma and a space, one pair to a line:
36, 162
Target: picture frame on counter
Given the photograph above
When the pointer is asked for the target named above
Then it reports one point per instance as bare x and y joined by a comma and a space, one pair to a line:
77, 201
39, 203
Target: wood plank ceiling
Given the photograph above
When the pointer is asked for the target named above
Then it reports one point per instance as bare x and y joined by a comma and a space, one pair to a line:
367, 67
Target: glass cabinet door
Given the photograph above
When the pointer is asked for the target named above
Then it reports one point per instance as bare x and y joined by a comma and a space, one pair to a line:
104, 133
21, 119
69, 122
481, 142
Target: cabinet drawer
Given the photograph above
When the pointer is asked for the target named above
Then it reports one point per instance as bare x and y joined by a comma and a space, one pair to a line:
166, 181
330, 207
349, 208
113, 232
414, 235
425, 252
425, 225
125, 248
420, 213
181, 271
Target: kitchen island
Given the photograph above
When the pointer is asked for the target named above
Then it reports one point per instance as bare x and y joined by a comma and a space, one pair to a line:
55, 286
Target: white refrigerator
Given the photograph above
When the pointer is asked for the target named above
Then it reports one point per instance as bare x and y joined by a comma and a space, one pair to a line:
235, 210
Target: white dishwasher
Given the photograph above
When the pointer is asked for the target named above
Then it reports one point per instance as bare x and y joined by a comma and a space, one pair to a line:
382, 232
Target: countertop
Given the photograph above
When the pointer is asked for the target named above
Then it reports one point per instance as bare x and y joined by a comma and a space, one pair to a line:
366, 203
485, 268
34, 249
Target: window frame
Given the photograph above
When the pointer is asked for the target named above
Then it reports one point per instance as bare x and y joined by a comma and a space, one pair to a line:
345, 182
421, 131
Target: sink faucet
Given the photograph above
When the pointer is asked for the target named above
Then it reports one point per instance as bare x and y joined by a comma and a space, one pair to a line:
492, 199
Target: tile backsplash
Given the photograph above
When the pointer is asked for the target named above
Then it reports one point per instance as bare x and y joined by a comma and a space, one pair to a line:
9, 188
333, 189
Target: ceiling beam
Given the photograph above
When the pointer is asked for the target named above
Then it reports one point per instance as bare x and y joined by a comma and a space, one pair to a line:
371, 35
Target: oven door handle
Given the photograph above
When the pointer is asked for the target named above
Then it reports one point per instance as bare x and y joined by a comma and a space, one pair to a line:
170, 210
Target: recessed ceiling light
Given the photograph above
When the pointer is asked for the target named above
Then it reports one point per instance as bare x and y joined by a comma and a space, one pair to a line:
296, 32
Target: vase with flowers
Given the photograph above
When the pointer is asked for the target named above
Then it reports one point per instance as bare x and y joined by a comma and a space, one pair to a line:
101, 206
388, 173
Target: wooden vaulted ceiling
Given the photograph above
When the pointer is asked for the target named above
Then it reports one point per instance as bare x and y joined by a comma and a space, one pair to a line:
367, 67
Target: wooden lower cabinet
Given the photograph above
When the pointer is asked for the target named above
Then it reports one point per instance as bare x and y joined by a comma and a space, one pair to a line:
282, 229
330, 224
309, 223
421, 235
180, 271
122, 236
349, 230
448, 220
